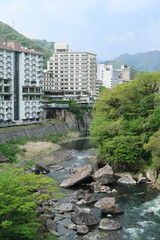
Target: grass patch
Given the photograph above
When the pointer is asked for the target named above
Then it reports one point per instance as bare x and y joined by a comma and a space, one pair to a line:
57, 138
12, 148
30, 163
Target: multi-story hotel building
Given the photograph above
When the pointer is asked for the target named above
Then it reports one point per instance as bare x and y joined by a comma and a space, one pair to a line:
20, 82
70, 75
127, 74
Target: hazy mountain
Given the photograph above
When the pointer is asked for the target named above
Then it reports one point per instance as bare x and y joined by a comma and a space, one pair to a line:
149, 61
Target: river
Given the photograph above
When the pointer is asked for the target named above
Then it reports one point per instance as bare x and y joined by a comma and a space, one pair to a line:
136, 201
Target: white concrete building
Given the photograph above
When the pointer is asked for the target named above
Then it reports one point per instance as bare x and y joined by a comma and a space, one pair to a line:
111, 77
108, 75
20, 82
70, 75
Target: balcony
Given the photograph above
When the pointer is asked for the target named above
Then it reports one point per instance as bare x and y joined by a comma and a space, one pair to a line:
33, 83
27, 83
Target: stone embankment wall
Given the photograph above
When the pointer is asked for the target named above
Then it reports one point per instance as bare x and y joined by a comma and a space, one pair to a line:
33, 132
70, 123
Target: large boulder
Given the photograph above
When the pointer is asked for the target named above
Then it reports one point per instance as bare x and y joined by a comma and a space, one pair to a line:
84, 196
98, 187
78, 195
89, 198
112, 209
91, 236
152, 174
126, 179
83, 217
41, 168
104, 201
108, 206
142, 179
50, 225
81, 174
65, 207
82, 229
108, 224
104, 175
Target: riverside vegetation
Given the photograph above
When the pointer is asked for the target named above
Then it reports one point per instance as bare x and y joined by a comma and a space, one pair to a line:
21, 192
126, 124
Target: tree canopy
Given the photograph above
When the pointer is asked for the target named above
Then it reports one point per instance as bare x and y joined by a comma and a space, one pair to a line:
124, 119
20, 193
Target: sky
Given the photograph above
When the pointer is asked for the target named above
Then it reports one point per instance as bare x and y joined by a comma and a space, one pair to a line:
108, 28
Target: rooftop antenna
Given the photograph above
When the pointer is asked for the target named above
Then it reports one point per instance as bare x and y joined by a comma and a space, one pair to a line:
13, 22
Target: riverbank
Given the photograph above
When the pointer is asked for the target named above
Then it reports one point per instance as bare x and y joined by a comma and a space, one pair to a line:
47, 152
139, 202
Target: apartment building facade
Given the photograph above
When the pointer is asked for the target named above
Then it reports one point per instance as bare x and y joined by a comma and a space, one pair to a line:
127, 74
20, 82
108, 75
70, 75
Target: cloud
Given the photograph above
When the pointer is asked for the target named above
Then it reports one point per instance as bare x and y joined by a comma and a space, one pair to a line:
121, 6
71, 12
117, 38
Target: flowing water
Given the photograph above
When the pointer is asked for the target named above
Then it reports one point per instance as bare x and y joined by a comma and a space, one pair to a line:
141, 203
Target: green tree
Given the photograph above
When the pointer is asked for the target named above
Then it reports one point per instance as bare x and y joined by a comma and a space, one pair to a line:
20, 193
17, 214
153, 148
124, 119
75, 108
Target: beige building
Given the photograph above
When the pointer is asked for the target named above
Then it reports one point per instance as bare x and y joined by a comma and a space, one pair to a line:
70, 75
127, 74
20, 82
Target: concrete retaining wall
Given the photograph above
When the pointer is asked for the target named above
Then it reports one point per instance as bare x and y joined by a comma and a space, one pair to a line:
34, 132
70, 123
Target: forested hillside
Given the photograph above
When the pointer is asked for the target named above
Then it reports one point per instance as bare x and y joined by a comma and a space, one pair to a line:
12, 35
126, 124
149, 61
46, 44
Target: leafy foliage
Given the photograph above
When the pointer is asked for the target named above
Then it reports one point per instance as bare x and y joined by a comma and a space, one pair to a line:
11, 148
153, 147
75, 108
19, 194
124, 119
78, 110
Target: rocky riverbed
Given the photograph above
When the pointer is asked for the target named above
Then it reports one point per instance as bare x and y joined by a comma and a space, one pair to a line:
99, 205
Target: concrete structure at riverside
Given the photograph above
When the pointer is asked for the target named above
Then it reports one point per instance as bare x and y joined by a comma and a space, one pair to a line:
20, 82
70, 76
111, 77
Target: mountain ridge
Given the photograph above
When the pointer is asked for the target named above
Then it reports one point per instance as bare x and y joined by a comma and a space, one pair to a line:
148, 61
